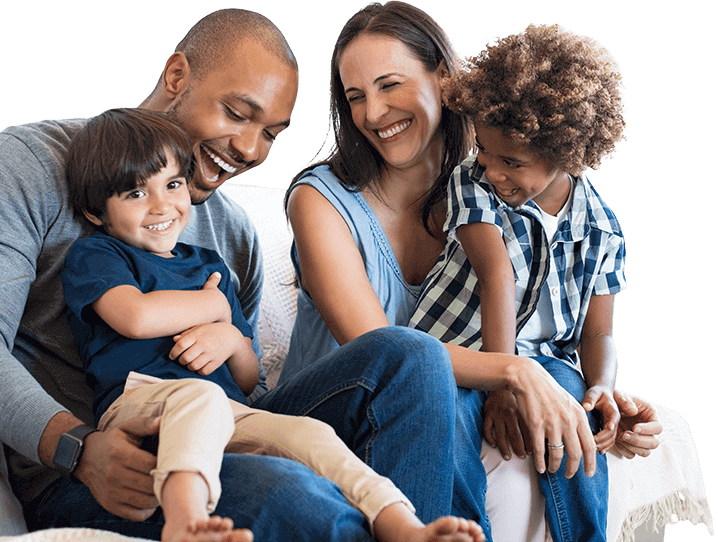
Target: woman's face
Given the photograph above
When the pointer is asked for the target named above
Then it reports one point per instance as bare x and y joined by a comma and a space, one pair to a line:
395, 102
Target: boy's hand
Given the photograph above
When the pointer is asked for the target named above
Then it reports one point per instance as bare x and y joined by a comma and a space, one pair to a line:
205, 347
212, 283
601, 397
639, 427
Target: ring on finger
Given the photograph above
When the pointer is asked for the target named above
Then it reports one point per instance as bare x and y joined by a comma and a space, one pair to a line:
558, 446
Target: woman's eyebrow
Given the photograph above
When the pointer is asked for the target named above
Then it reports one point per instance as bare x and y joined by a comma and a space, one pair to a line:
377, 80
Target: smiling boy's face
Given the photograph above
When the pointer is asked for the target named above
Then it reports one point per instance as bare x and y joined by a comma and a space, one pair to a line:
519, 175
151, 216
233, 113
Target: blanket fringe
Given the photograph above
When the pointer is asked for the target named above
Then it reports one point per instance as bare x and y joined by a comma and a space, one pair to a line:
680, 506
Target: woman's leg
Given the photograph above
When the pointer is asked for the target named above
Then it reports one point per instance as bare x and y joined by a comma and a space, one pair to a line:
390, 396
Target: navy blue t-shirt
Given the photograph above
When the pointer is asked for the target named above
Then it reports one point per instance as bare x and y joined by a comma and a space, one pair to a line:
98, 263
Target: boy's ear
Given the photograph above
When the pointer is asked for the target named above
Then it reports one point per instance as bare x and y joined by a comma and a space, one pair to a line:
92, 218
175, 78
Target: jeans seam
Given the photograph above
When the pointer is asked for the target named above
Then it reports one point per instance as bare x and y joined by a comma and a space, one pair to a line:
360, 382
564, 531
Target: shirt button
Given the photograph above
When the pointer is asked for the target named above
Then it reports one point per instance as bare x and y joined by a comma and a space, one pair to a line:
555, 291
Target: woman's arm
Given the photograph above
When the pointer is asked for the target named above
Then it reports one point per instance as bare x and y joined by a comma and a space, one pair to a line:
332, 269
164, 312
333, 274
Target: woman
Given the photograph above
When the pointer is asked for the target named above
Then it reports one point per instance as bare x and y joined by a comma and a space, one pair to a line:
367, 225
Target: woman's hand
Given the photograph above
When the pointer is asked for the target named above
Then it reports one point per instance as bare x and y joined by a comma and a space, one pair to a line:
639, 426
555, 419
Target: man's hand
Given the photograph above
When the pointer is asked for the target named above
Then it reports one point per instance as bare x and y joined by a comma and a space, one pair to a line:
638, 428
503, 426
117, 471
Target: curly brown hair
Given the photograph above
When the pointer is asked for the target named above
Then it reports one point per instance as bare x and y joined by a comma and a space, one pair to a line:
557, 92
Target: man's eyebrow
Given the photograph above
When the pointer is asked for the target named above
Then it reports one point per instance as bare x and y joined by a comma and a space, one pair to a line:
254, 105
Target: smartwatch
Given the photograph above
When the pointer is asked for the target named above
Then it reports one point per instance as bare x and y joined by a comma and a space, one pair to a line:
69, 450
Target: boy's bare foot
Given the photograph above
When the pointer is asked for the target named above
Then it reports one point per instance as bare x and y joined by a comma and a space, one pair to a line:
214, 529
450, 529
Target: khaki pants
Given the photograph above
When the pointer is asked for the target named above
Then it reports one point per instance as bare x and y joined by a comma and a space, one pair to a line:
199, 423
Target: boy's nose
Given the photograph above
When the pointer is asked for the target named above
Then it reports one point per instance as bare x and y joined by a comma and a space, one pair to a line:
159, 205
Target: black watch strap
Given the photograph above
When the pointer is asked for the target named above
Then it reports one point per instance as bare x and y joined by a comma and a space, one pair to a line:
69, 449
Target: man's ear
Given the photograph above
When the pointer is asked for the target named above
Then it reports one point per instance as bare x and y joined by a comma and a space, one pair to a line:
175, 78
92, 218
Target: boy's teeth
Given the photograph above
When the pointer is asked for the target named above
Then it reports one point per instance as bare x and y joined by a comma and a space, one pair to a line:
221, 163
394, 130
160, 227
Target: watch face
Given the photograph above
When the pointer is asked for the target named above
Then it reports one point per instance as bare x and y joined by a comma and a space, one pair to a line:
67, 452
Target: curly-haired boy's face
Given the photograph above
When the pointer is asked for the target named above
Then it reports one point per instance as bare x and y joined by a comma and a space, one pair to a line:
395, 102
519, 175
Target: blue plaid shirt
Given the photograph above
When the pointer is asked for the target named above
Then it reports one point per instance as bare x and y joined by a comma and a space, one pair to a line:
585, 258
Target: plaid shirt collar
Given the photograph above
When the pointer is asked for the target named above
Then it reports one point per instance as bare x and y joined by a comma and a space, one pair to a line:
580, 218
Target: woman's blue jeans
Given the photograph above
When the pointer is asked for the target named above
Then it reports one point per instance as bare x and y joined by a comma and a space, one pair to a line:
390, 395
576, 508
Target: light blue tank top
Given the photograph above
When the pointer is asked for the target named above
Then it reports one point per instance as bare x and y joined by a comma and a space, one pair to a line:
311, 338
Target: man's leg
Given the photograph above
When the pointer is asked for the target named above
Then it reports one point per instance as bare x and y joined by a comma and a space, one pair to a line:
277, 499
390, 395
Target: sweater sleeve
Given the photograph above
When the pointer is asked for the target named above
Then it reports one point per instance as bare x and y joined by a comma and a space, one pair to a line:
25, 408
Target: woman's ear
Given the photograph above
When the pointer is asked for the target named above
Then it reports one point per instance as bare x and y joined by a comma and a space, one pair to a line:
92, 218
443, 70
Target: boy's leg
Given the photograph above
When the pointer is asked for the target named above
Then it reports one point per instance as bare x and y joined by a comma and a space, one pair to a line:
390, 395
196, 424
576, 509
314, 444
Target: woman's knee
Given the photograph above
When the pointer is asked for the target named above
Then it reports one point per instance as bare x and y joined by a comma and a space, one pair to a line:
414, 350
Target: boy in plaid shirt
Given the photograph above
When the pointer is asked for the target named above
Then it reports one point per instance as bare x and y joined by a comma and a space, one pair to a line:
534, 256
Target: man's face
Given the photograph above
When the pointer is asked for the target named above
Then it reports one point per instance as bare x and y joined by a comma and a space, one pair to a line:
234, 113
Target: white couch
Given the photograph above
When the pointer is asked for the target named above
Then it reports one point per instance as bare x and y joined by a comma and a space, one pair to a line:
645, 493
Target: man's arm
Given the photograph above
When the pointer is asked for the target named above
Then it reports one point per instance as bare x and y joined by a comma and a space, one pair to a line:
31, 421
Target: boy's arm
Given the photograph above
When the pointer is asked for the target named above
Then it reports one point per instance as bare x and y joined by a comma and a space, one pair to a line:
599, 365
164, 312
487, 254
206, 347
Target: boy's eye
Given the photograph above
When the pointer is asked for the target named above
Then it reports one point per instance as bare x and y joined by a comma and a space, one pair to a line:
133, 194
175, 184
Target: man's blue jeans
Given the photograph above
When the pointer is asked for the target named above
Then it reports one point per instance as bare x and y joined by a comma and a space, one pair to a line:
390, 395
